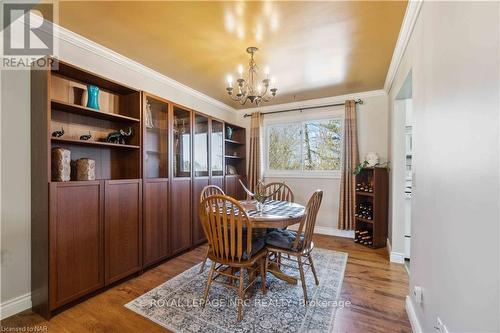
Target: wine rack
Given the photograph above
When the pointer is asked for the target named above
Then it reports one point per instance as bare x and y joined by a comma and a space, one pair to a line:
364, 237
371, 209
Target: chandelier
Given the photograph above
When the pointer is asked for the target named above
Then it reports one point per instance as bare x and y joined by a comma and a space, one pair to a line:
249, 88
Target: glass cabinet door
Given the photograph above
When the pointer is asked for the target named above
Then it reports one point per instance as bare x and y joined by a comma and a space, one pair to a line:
156, 131
200, 146
182, 143
217, 148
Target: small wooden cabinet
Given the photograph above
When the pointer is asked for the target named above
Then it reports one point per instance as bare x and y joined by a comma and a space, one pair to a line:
198, 233
123, 228
371, 210
76, 235
180, 235
156, 244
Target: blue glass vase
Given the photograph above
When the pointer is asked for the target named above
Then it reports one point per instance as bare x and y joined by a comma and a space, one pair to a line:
93, 97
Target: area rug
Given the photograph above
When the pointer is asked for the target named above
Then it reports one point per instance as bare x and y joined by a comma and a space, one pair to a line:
176, 304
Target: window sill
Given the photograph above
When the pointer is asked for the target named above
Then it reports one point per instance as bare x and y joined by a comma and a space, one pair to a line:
336, 175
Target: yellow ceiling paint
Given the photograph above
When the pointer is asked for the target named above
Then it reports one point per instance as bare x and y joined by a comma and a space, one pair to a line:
314, 49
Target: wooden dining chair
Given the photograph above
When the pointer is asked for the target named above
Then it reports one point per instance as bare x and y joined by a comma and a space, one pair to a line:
233, 251
205, 193
298, 243
284, 194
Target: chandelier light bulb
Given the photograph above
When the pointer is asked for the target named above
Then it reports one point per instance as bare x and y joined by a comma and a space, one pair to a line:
266, 71
229, 80
240, 70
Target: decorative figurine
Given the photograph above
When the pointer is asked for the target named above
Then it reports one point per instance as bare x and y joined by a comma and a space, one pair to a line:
58, 134
119, 136
229, 132
85, 169
149, 117
85, 137
61, 164
93, 97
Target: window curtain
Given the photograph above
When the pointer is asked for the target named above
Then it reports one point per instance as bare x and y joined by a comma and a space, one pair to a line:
254, 163
350, 161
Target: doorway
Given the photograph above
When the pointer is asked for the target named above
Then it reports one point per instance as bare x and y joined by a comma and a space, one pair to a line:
401, 175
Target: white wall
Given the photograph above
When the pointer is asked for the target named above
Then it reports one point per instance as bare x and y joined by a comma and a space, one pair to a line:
372, 136
15, 154
397, 183
454, 57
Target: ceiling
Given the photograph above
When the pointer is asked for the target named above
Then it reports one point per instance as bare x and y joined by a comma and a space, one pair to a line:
313, 49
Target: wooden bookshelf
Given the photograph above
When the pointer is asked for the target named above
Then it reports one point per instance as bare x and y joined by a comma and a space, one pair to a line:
371, 211
86, 231
235, 156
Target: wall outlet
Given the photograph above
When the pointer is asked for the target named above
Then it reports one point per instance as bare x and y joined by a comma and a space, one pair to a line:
440, 327
417, 294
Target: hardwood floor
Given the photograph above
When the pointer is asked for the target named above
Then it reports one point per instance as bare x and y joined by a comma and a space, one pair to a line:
375, 287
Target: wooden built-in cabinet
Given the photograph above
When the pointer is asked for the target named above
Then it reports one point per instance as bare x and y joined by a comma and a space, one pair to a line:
142, 207
123, 228
181, 198
85, 234
155, 224
156, 186
76, 232
201, 154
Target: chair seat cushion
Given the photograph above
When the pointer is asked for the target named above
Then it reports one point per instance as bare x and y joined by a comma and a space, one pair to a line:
284, 239
258, 243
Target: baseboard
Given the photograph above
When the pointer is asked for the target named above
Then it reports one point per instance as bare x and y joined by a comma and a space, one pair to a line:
330, 231
412, 316
395, 257
15, 305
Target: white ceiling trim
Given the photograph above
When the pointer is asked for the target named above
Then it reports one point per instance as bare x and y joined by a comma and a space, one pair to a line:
409, 20
77, 40
315, 102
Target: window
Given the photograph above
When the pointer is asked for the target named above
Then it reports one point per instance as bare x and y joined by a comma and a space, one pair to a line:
311, 147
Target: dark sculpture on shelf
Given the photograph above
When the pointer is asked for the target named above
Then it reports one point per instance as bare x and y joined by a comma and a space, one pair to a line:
86, 137
58, 134
119, 136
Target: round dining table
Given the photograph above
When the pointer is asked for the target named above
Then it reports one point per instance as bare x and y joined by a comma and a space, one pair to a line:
274, 214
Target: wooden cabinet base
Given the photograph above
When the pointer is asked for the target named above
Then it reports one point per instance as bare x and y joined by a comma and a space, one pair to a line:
123, 228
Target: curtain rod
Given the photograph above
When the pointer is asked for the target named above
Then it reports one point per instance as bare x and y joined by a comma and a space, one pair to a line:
358, 101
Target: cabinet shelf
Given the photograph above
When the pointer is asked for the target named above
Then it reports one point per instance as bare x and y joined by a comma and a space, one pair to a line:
366, 194
364, 220
85, 111
92, 143
235, 157
234, 142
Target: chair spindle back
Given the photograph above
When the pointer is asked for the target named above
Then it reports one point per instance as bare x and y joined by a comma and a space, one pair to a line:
284, 194
224, 220
309, 221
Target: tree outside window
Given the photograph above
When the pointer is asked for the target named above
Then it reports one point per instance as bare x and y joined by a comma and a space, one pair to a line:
307, 146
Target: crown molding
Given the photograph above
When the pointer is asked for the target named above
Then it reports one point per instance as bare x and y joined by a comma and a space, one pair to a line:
409, 20
315, 102
77, 40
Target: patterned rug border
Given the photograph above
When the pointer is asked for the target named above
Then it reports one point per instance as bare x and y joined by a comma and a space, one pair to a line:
190, 274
